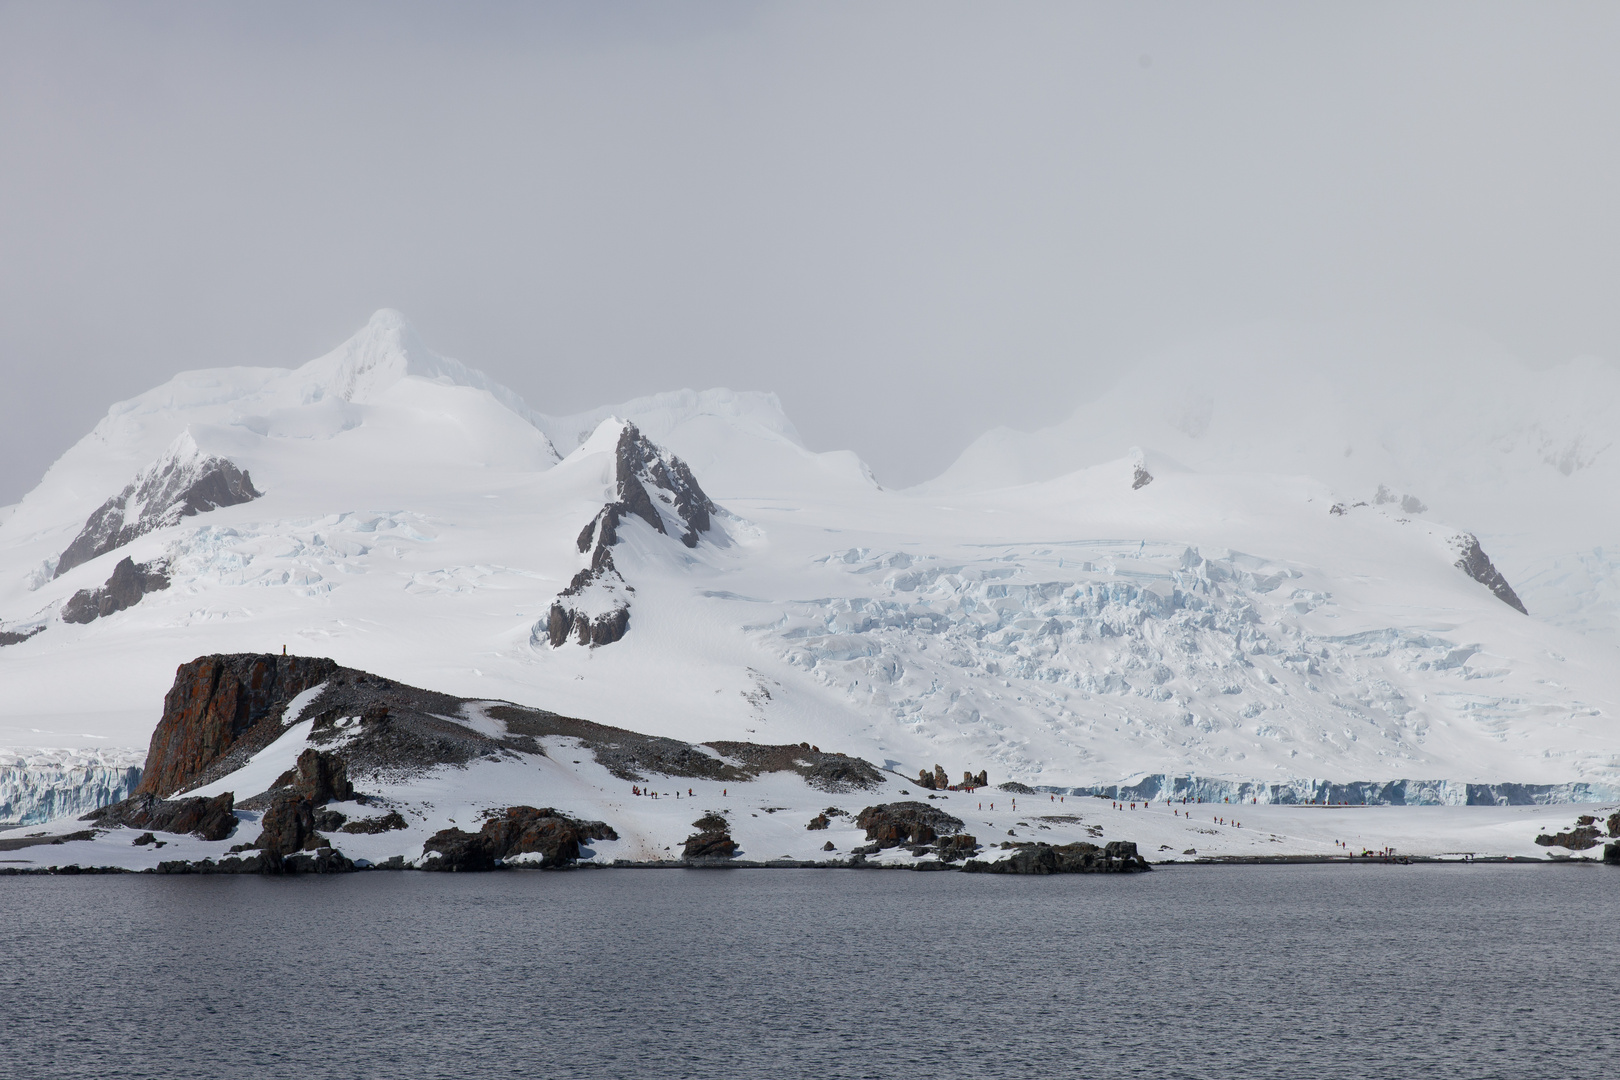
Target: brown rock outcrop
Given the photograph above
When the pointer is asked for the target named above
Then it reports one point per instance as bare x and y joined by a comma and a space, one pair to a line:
288, 826
370, 826
319, 777
1579, 838
906, 823
518, 830
129, 582
217, 701
709, 845
210, 819
1117, 856
712, 839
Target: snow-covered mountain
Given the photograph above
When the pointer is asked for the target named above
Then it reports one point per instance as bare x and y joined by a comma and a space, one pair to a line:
1060, 609
1449, 425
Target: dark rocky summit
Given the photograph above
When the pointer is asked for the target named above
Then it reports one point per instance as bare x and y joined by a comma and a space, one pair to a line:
1117, 856
129, 582
653, 485
223, 708
175, 487
210, 819
517, 830
1140, 478
1473, 561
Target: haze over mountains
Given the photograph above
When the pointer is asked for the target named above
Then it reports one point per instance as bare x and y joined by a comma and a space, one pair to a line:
1254, 562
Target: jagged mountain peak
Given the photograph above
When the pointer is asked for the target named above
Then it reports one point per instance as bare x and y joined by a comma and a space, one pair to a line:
649, 483
182, 482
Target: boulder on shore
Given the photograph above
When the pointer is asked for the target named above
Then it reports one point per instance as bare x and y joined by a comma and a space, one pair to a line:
906, 823
1118, 856
712, 839
516, 831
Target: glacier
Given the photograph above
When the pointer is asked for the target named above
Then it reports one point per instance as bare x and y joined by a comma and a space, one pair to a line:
1265, 617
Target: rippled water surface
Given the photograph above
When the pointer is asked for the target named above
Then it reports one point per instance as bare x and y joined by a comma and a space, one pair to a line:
1202, 972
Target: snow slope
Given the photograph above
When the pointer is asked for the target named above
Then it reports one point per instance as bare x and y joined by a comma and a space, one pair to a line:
1527, 459
1071, 626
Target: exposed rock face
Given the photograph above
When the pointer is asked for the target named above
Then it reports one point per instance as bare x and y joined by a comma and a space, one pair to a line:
291, 823
17, 637
1118, 856
711, 841
1140, 478
320, 861
653, 485
210, 819
224, 708
319, 777
180, 484
217, 702
129, 582
371, 826
288, 826
680, 506
938, 781
518, 830
1472, 560
960, 846
1611, 853
563, 623
830, 772
906, 823
1579, 838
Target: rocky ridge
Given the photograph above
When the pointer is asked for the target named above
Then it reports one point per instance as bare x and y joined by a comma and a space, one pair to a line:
1472, 560
653, 485
129, 582
182, 483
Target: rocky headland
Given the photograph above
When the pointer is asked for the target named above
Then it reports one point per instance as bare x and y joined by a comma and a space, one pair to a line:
270, 764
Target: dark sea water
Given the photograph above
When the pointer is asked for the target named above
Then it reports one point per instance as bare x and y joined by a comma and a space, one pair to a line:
1203, 972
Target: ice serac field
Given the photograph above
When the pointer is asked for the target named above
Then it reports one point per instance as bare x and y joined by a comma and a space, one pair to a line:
1159, 607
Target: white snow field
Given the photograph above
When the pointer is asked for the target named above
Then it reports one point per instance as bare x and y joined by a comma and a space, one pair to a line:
1188, 580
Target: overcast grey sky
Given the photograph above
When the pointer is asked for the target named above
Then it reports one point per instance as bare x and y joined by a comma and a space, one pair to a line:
913, 221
